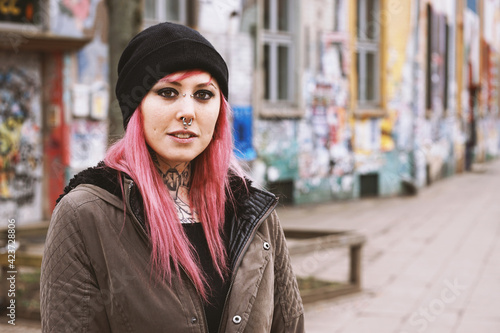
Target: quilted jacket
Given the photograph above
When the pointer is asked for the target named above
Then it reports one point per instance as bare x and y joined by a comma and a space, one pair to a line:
96, 275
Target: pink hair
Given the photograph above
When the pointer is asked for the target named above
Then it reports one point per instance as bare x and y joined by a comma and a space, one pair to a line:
170, 246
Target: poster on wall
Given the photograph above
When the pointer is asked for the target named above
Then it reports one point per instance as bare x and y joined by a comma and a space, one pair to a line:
20, 138
87, 143
99, 101
73, 17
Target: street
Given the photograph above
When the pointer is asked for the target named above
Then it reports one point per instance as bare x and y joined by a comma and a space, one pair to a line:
431, 262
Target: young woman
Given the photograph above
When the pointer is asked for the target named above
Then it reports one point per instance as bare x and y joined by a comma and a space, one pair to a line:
167, 234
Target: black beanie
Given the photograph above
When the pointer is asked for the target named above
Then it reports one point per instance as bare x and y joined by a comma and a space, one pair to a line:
160, 50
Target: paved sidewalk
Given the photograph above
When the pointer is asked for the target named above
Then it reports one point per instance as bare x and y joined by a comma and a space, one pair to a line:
431, 262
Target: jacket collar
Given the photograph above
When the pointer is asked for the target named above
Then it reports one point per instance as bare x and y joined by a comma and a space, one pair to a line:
244, 213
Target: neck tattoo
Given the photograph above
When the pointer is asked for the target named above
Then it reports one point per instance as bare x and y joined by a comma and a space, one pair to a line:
178, 184
176, 181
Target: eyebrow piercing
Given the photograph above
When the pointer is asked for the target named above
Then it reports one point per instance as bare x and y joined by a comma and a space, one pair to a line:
186, 124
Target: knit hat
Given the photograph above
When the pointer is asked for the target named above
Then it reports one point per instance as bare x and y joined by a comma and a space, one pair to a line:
160, 50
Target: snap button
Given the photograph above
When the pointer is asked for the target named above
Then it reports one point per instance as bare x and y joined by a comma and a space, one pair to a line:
193, 320
266, 246
236, 319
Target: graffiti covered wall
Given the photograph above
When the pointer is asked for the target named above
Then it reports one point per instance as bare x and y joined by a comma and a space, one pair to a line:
400, 130
20, 133
326, 161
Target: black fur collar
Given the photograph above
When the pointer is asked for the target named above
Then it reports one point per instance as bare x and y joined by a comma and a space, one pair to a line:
100, 175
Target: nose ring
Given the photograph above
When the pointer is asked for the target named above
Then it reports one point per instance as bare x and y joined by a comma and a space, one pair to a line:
186, 124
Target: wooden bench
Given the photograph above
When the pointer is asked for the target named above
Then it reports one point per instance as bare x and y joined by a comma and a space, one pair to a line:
302, 242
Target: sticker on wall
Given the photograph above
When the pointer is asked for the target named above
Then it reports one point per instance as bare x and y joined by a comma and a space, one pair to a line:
100, 101
81, 100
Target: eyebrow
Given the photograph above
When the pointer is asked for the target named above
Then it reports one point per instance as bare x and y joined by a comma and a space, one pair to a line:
199, 85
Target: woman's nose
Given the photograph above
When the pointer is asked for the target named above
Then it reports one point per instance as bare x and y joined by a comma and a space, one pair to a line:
187, 108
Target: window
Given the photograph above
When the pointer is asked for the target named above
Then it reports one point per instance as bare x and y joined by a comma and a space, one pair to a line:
367, 53
156, 11
437, 62
278, 51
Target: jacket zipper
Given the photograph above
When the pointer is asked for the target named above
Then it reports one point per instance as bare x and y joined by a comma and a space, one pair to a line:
136, 220
240, 256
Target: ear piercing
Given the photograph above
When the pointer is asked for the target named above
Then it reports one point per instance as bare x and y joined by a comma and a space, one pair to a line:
186, 124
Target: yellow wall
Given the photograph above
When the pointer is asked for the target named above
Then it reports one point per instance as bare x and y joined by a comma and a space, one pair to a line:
396, 14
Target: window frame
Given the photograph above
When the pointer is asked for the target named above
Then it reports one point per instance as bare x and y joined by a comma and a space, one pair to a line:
437, 45
161, 13
365, 46
275, 38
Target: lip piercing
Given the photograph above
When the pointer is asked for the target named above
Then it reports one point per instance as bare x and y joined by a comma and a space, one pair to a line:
186, 124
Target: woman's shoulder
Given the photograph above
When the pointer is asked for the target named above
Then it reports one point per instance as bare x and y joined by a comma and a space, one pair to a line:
87, 189
83, 194
100, 176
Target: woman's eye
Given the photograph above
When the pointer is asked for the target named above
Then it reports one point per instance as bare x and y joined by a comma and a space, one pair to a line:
168, 93
203, 95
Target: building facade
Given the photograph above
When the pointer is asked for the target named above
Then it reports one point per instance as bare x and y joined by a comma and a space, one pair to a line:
332, 99
53, 100
360, 98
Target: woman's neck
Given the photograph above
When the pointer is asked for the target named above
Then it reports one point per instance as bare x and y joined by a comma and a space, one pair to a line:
177, 178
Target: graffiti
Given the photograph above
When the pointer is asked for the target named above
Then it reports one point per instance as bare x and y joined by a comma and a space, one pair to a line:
20, 157
28, 23
324, 136
17, 11
20, 138
276, 141
324, 133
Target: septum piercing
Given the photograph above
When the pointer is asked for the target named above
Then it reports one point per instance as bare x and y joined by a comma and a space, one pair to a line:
186, 124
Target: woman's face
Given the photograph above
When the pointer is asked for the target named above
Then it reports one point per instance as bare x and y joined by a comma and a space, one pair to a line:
196, 99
